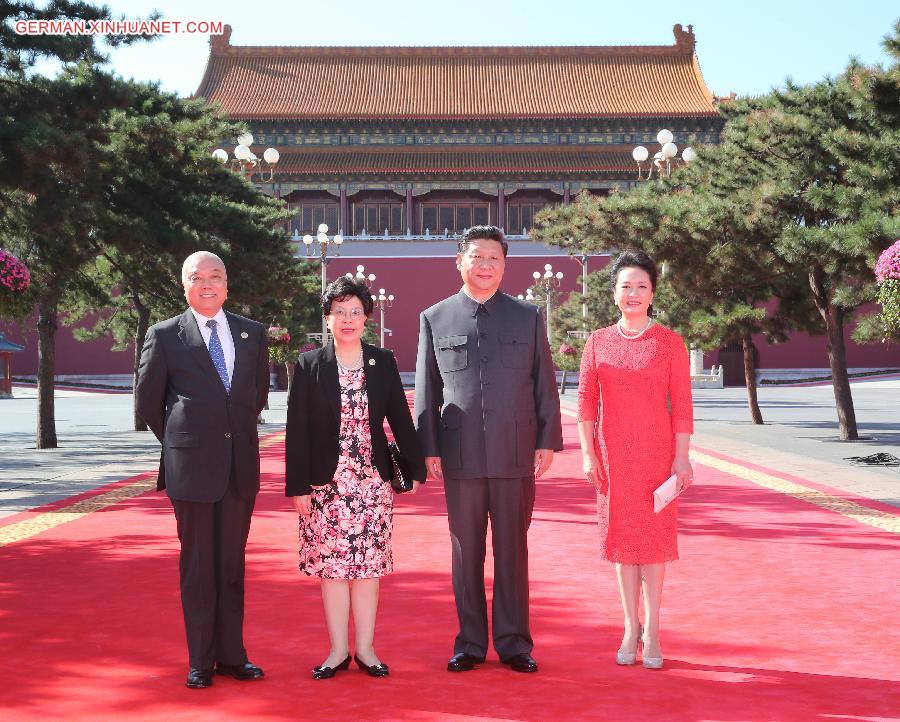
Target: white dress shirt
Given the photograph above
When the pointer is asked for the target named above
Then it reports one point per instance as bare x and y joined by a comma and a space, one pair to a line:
225, 337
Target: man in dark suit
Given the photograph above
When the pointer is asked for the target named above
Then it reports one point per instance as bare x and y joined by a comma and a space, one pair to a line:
487, 414
202, 382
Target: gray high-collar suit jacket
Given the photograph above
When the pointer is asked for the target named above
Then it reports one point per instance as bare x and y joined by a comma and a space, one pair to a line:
485, 387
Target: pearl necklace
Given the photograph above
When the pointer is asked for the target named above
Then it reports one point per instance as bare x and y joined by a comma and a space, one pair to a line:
631, 335
356, 366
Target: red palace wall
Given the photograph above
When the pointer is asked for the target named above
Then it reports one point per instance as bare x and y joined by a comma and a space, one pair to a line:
418, 283
92, 358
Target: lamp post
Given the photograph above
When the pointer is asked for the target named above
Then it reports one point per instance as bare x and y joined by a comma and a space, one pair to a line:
662, 162
324, 244
545, 284
663, 158
361, 275
245, 160
383, 300
583, 259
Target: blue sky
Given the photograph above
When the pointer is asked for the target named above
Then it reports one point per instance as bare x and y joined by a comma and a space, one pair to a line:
747, 47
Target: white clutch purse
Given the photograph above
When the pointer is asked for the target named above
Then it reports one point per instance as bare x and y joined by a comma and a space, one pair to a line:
664, 493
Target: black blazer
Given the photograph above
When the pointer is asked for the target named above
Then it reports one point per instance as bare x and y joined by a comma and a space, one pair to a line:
207, 434
312, 445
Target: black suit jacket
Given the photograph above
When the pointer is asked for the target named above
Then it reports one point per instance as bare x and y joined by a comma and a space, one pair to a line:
203, 428
312, 445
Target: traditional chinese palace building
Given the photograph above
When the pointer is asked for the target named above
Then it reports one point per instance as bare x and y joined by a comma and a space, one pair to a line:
402, 148
421, 142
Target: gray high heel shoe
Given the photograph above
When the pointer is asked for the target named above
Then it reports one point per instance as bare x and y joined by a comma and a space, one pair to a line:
626, 658
650, 662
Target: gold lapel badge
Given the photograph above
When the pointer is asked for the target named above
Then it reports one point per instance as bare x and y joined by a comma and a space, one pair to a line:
244, 334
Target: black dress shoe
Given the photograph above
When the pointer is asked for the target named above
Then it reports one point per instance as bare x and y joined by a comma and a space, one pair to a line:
322, 672
199, 678
243, 672
463, 662
374, 670
521, 663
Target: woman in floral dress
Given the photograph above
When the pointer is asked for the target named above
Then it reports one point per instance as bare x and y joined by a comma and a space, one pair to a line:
338, 470
635, 422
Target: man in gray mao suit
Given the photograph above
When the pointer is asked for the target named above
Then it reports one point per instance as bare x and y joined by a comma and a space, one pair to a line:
202, 381
487, 414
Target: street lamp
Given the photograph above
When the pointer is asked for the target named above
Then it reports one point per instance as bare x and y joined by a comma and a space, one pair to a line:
245, 160
583, 259
383, 300
361, 275
663, 158
324, 244
543, 291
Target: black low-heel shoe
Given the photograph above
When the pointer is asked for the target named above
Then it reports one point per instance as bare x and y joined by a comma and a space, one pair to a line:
329, 672
376, 670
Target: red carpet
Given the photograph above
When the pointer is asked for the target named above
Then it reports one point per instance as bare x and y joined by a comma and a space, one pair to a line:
778, 610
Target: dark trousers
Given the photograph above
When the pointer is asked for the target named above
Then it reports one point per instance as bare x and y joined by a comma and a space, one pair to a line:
213, 538
508, 503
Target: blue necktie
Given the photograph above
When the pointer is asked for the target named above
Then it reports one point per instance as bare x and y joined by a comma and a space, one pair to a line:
217, 354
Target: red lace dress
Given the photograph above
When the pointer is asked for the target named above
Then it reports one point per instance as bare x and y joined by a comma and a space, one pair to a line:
625, 385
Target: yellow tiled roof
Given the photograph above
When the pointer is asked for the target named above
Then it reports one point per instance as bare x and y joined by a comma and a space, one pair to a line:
463, 82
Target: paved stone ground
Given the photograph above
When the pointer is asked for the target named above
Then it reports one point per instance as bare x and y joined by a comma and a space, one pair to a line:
800, 437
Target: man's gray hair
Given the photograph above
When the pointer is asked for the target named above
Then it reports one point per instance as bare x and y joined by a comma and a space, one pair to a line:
193, 258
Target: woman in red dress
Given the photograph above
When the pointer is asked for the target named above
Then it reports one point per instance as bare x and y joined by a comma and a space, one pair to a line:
635, 420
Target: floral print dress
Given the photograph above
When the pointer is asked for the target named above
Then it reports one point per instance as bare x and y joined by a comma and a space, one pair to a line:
348, 532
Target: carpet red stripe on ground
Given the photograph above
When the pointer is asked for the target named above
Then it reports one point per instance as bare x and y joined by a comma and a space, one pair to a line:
805, 481
777, 610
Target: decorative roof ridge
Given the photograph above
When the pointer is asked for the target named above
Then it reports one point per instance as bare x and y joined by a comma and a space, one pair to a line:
685, 43
454, 150
710, 96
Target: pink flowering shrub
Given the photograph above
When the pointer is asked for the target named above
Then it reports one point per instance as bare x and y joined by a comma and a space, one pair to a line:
279, 341
888, 265
14, 282
567, 357
278, 335
14, 275
887, 273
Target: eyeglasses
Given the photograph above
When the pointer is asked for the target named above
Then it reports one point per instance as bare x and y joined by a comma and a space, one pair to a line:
353, 313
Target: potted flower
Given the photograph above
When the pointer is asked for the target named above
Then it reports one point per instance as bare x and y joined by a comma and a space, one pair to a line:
280, 353
14, 282
566, 359
887, 274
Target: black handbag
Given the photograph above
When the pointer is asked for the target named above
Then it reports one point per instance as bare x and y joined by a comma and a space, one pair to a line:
401, 480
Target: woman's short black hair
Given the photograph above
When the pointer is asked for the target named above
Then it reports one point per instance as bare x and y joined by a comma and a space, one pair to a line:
342, 289
488, 233
634, 259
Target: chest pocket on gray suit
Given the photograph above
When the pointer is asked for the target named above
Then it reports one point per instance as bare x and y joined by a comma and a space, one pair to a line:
515, 352
451, 353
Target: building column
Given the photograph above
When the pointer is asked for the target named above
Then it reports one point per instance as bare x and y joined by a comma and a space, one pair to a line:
501, 208
345, 214
567, 197
410, 219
